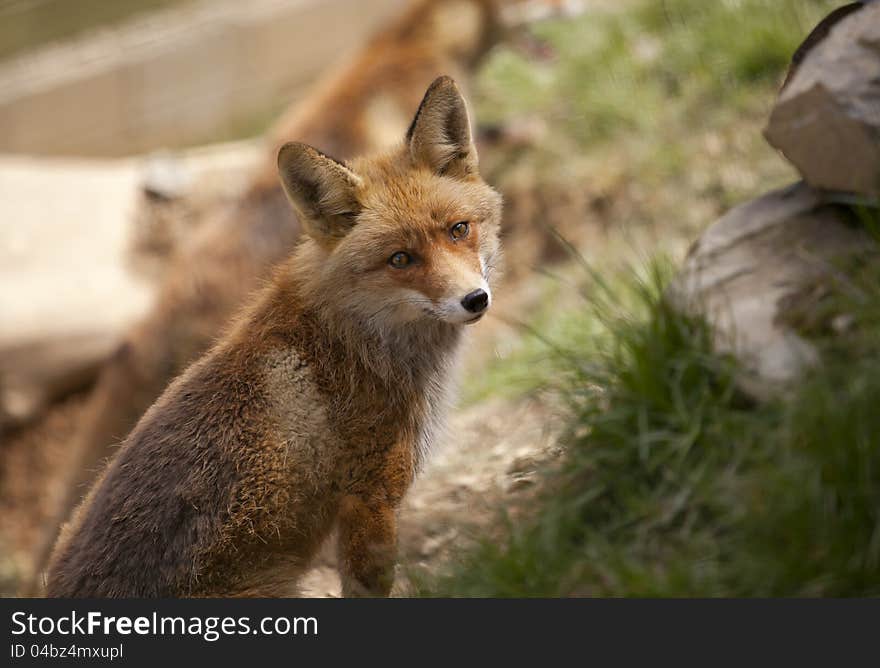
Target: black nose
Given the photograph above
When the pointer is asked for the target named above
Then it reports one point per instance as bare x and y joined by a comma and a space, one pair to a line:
476, 301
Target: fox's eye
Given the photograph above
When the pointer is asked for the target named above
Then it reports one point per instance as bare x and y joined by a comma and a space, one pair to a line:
459, 230
400, 260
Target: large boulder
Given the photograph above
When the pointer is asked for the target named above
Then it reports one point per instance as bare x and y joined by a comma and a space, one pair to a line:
745, 269
827, 118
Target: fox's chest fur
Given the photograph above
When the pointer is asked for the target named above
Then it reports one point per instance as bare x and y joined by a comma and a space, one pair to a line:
339, 435
348, 428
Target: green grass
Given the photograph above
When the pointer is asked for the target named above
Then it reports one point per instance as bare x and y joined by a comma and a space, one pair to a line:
667, 98
649, 64
648, 400
675, 484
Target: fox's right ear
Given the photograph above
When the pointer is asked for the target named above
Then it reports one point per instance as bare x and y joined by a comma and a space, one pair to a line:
322, 190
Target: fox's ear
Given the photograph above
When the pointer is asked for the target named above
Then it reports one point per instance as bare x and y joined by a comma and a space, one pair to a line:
440, 134
322, 190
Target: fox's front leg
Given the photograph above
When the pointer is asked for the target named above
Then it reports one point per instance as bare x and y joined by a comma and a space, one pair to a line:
367, 546
367, 523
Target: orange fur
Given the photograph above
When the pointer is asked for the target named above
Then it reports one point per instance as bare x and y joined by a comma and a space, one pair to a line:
318, 406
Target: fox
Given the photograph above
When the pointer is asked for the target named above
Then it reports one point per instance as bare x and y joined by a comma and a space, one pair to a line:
320, 405
363, 105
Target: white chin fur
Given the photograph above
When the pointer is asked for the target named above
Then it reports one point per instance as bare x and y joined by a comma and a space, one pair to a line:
462, 318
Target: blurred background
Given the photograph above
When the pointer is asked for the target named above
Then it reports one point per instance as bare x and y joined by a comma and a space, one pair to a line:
603, 443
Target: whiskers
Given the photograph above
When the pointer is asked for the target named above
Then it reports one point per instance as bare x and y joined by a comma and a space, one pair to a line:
490, 265
423, 303
393, 346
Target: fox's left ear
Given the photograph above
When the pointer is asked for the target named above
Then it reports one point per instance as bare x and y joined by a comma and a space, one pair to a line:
440, 134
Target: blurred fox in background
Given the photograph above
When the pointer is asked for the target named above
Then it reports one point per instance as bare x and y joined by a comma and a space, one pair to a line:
364, 105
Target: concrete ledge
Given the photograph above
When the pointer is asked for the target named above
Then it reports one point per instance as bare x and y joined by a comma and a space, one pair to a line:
177, 77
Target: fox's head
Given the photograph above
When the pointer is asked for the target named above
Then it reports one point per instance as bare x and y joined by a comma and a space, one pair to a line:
406, 236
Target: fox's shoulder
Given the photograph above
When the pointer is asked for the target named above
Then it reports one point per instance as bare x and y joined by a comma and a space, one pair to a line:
291, 385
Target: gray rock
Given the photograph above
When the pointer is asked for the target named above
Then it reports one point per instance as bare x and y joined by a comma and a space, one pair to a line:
827, 118
746, 266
